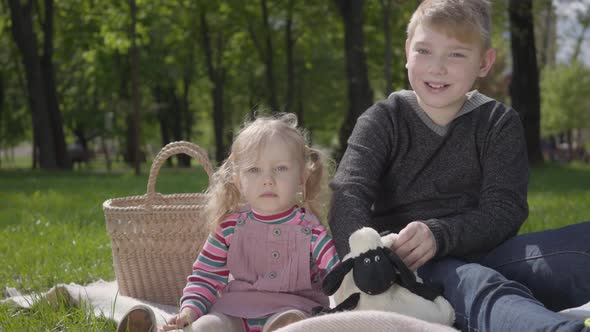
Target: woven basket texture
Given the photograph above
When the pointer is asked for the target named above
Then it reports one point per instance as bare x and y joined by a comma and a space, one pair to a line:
156, 238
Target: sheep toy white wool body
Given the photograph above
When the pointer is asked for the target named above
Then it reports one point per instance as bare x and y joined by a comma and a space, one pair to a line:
373, 277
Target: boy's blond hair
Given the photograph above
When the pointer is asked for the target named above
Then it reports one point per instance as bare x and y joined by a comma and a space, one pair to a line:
465, 20
224, 196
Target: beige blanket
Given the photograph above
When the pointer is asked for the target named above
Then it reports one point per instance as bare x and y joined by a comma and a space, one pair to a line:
104, 299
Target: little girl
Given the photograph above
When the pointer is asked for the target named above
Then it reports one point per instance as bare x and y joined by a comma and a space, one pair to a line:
262, 266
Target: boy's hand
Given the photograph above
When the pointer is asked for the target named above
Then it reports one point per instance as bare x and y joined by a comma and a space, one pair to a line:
415, 245
184, 318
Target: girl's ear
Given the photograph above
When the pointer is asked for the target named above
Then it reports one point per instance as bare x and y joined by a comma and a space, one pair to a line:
303, 179
236, 181
304, 176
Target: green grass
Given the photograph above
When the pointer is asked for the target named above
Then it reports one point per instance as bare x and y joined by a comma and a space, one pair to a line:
558, 196
52, 230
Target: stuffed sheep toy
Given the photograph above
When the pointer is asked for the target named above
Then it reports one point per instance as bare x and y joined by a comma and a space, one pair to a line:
373, 277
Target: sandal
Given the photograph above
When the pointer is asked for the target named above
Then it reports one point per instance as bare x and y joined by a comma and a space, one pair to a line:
283, 319
139, 318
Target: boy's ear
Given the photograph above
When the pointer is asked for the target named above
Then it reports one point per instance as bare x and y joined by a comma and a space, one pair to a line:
407, 51
487, 60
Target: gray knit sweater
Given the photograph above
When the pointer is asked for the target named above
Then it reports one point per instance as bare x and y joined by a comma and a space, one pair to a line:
467, 181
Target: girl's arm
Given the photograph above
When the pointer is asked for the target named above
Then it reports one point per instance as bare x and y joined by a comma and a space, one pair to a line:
323, 251
210, 272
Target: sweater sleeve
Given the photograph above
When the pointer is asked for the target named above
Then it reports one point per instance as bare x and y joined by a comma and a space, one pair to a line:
356, 182
503, 195
210, 272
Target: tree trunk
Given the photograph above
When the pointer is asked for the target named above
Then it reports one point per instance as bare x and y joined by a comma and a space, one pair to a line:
186, 125
269, 60
2, 93
360, 96
289, 46
216, 74
107, 153
584, 20
35, 152
25, 38
524, 88
134, 62
2, 134
386, 9
548, 33
299, 110
162, 113
61, 153
177, 112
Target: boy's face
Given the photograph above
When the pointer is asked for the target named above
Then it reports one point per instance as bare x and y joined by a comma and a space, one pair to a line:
442, 69
270, 184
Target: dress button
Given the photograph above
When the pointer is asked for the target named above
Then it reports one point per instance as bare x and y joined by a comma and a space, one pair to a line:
306, 230
241, 222
276, 232
275, 254
272, 275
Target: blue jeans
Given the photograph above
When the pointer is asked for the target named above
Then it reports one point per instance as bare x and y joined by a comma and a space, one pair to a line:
519, 285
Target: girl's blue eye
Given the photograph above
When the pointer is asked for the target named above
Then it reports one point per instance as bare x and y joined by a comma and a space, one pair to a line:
253, 170
422, 51
282, 168
457, 55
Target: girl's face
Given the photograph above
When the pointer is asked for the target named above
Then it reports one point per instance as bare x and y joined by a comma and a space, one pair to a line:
271, 182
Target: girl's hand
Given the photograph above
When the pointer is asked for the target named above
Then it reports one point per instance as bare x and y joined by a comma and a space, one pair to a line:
415, 245
179, 321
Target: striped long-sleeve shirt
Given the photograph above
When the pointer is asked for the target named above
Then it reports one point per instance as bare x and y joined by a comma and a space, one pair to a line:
210, 272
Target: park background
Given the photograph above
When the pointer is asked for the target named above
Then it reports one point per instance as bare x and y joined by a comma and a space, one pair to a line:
91, 90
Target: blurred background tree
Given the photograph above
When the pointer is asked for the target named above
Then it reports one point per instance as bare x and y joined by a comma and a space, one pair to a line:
202, 67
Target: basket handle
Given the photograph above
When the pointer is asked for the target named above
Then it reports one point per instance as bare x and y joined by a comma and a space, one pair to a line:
170, 150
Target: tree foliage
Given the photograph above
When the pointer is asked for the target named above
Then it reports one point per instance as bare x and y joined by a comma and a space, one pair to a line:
565, 103
256, 56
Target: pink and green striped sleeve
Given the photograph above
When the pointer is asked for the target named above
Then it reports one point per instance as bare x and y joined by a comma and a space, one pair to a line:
323, 251
210, 272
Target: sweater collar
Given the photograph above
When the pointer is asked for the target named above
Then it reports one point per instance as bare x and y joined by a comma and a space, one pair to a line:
473, 101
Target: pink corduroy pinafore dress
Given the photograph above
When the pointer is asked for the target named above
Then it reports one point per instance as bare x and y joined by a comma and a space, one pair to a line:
270, 265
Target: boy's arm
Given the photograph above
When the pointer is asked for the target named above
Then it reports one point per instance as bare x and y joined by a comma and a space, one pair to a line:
503, 196
356, 181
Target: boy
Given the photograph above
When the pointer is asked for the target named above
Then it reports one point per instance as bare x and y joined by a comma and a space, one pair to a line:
447, 169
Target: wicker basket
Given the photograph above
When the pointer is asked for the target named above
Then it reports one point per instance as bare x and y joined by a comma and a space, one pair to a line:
156, 238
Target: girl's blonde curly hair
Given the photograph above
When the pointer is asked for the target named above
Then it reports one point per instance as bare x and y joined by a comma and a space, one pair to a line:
223, 195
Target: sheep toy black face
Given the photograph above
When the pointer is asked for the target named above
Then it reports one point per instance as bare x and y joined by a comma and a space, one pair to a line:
373, 272
375, 268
